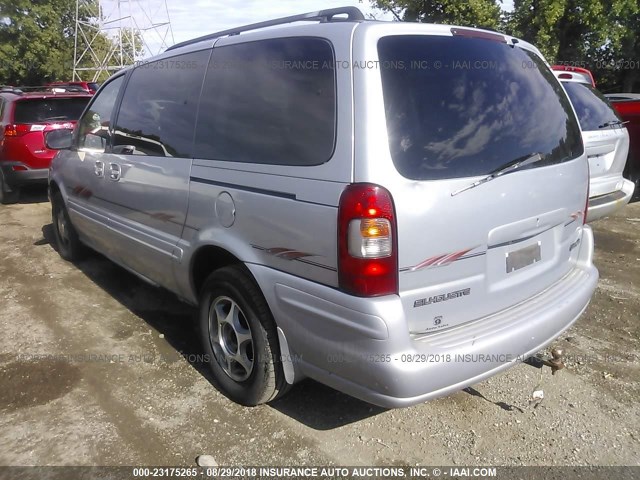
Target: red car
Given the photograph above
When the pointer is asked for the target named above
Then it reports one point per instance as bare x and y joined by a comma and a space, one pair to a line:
628, 107
25, 120
91, 87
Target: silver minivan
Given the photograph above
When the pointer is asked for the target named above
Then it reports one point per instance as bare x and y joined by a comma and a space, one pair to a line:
395, 210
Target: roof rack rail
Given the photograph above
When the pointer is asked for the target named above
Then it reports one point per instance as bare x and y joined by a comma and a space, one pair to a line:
353, 14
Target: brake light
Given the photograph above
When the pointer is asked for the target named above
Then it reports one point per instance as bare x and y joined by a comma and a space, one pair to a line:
16, 130
465, 32
367, 241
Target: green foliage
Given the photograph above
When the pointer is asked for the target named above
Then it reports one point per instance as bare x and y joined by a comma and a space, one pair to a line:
37, 41
561, 28
601, 35
475, 13
622, 54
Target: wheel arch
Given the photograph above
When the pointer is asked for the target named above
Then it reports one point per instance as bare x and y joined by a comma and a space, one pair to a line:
54, 188
206, 260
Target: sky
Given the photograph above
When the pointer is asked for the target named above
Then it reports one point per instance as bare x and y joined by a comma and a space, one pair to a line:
216, 15
194, 18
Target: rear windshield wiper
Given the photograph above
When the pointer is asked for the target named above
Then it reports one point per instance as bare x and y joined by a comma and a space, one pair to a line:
612, 123
508, 168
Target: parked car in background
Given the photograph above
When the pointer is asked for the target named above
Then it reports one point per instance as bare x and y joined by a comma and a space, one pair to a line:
574, 73
606, 141
90, 87
628, 107
26, 117
394, 231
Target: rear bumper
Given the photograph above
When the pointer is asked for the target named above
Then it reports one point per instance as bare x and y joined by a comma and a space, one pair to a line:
16, 178
607, 204
363, 346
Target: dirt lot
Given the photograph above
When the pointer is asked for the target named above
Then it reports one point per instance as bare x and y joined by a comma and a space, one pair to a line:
134, 393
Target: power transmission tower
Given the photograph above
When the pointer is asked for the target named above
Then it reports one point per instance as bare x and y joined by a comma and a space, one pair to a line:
112, 34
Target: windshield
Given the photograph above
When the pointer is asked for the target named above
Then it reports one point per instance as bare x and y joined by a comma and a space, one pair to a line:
49, 109
593, 108
460, 107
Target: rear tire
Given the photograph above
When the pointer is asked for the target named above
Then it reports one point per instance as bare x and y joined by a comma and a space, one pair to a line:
8, 195
69, 245
240, 338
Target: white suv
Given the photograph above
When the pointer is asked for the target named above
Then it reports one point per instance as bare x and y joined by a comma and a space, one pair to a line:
606, 141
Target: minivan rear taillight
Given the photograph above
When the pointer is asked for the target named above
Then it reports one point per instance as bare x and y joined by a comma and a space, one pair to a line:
367, 241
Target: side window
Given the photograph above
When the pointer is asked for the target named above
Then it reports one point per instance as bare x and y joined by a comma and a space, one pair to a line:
1, 108
158, 111
271, 102
93, 128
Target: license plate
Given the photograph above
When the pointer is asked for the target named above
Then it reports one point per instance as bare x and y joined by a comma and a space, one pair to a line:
524, 257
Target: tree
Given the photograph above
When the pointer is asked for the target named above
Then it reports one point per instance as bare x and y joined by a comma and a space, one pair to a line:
622, 54
570, 29
473, 13
601, 35
36, 40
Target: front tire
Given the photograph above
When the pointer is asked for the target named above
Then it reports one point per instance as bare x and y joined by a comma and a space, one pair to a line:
240, 338
69, 245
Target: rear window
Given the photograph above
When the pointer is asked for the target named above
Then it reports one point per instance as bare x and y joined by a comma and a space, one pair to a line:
593, 108
459, 107
41, 110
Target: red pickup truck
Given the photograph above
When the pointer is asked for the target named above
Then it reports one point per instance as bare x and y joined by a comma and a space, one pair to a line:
628, 107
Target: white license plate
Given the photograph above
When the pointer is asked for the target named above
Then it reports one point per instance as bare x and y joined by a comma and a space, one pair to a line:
523, 258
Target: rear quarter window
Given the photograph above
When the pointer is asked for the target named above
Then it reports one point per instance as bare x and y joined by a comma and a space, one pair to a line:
269, 102
460, 107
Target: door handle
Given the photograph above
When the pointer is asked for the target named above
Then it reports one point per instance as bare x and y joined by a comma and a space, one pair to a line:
99, 169
114, 172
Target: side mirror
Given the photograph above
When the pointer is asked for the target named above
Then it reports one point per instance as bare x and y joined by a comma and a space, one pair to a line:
58, 139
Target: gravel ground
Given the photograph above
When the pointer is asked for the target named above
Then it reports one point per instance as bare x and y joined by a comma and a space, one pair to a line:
144, 399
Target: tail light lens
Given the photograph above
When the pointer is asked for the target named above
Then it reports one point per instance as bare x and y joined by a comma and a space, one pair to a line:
16, 130
367, 241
